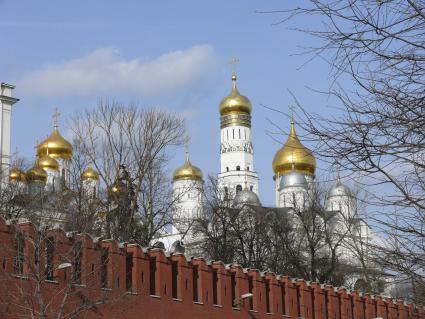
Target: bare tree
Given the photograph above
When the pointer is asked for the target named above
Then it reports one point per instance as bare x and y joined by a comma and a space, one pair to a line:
379, 46
138, 141
43, 274
301, 240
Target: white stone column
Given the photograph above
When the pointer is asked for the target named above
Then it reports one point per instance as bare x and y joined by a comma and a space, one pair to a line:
6, 103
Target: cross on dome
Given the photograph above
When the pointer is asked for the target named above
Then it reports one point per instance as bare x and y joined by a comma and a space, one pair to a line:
56, 118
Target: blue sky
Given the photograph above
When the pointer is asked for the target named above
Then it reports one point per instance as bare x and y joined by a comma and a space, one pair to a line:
171, 54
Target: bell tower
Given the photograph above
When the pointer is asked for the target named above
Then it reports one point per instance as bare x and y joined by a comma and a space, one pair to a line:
236, 150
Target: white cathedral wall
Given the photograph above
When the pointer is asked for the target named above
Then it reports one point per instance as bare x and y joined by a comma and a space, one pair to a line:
187, 196
294, 197
91, 188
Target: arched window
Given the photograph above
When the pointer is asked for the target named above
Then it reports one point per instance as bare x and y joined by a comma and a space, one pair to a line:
238, 188
247, 168
226, 192
251, 188
227, 169
238, 168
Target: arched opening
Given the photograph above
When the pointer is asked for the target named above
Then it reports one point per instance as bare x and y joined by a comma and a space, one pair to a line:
227, 169
238, 168
238, 188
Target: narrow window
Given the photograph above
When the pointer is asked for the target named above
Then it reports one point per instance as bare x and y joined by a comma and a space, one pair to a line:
233, 289
214, 286
238, 188
250, 290
238, 168
227, 169
174, 276
49, 252
195, 276
152, 275
283, 292
76, 274
267, 296
19, 259
251, 188
247, 168
233, 133
227, 134
129, 272
104, 260
239, 133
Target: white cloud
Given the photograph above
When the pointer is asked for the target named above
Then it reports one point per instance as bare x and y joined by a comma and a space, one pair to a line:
104, 73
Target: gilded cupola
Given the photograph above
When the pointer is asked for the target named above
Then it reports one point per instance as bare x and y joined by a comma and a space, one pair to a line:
36, 174
235, 103
187, 171
55, 145
294, 155
17, 175
47, 162
90, 175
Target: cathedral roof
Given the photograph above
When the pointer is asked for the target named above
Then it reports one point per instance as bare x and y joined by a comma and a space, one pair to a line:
90, 174
36, 174
55, 145
17, 175
235, 103
294, 155
293, 179
187, 171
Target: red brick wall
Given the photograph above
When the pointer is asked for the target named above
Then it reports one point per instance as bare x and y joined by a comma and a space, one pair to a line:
273, 296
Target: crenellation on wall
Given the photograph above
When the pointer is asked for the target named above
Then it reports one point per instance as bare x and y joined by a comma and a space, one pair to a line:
192, 286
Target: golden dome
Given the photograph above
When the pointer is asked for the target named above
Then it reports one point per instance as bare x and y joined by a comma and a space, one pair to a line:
17, 175
36, 174
294, 155
90, 175
47, 162
235, 103
187, 171
55, 145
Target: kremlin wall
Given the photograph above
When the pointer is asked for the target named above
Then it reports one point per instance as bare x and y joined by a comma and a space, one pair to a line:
127, 281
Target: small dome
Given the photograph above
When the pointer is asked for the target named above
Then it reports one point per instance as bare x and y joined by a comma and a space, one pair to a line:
339, 190
235, 103
55, 145
187, 171
17, 175
294, 155
246, 197
293, 179
90, 175
47, 162
36, 174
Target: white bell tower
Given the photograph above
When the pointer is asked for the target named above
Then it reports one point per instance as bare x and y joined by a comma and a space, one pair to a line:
236, 150
6, 102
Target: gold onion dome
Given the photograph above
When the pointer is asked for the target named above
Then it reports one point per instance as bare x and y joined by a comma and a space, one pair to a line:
17, 175
90, 175
187, 171
294, 156
47, 162
235, 103
36, 174
55, 145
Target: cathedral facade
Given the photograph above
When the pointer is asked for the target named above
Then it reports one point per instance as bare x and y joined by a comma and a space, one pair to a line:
294, 168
